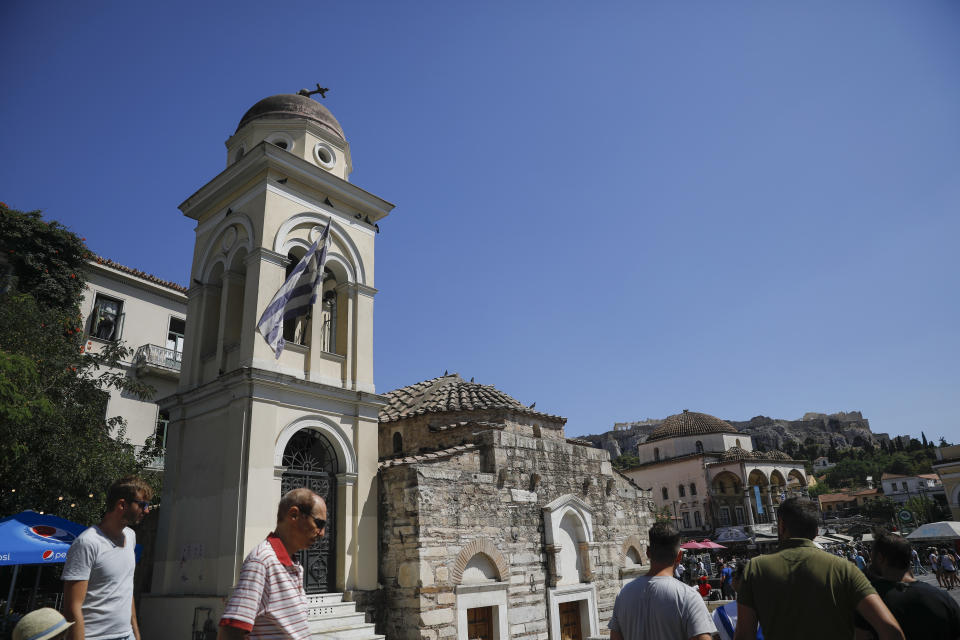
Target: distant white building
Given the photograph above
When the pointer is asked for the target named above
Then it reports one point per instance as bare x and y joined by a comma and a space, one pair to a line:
823, 464
708, 475
148, 315
901, 488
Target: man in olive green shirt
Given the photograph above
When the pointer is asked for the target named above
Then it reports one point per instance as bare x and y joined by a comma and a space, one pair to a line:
804, 592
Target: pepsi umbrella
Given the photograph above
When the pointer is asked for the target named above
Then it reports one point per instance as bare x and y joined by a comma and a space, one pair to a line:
35, 538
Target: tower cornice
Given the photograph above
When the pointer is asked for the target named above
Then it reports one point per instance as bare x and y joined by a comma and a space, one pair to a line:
265, 157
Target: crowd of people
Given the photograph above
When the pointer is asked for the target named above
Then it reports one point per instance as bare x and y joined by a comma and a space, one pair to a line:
800, 591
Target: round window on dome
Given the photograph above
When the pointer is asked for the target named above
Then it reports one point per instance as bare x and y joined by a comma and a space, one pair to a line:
325, 156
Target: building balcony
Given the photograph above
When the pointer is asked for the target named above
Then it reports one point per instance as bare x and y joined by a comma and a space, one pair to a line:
151, 359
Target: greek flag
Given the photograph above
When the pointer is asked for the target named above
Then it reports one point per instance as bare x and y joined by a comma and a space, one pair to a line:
297, 294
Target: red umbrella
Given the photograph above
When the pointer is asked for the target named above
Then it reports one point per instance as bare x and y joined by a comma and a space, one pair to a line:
693, 544
710, 544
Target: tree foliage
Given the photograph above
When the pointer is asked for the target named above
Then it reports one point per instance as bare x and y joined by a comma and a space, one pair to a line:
625, 461
60, 451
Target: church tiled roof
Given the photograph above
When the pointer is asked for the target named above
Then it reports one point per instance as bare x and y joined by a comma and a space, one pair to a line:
427, 457
690, 423
450, 393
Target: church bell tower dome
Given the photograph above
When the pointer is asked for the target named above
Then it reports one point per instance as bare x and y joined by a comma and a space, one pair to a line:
291, 105
298, 124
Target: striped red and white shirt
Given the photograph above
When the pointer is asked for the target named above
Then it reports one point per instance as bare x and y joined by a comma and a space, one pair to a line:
268, 601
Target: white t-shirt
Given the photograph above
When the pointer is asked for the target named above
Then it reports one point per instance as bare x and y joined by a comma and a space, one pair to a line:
108, 570
660, 607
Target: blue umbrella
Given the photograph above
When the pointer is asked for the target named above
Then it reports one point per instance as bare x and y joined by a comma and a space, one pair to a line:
34, 538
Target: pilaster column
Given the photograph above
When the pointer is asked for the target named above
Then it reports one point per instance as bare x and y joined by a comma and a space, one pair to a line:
749, 506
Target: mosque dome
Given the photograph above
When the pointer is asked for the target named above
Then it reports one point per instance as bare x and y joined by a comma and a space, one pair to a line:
690, 423
289, 105
737, 453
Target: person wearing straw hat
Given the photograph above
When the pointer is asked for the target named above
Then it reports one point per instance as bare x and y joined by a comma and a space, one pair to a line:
42, 624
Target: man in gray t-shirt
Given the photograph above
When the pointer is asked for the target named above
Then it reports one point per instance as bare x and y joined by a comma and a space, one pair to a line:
656, 606
98, 572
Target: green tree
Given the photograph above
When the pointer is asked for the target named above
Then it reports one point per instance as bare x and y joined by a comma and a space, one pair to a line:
60, 450
880, 510
626, 461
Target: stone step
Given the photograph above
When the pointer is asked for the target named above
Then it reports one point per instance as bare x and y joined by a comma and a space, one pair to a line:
324, 598
351, 632
337, 621
321, 609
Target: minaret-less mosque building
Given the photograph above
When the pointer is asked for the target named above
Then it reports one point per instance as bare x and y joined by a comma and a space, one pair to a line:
244, 425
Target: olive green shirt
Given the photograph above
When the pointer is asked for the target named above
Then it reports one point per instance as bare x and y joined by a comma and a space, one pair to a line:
803, 592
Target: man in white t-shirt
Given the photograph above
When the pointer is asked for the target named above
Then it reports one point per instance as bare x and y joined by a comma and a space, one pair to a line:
656, 605
98, 572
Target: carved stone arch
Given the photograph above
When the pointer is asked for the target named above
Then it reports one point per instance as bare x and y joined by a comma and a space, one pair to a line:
633, 542
799, 476
336, 262
487, 548
221, 248
346, 455
339, 237
760, 475
554, 512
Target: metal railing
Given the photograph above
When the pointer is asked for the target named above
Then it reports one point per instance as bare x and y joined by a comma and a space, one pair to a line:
157, 356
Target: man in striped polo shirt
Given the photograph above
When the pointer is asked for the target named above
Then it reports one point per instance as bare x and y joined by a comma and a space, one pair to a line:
269, 601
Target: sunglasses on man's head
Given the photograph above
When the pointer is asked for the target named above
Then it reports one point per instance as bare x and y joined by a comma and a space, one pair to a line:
143, 503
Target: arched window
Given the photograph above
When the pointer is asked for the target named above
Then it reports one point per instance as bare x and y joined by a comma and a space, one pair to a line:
397, 442
666, 494
738, 442
693, 489
296, 329
699, 447
720, 487
656, 453
681, 491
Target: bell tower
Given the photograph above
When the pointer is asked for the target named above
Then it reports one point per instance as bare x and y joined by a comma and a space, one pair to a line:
245, 425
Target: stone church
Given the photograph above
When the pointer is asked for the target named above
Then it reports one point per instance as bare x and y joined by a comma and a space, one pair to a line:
454, 511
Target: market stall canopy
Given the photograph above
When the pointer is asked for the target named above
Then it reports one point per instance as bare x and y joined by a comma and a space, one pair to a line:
731, 534
693, 544
936, 531
35, 538
710, 544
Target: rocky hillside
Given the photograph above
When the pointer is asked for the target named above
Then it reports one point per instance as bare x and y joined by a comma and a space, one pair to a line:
839, 430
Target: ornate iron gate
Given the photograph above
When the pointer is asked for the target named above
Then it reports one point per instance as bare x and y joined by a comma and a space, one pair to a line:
310, 461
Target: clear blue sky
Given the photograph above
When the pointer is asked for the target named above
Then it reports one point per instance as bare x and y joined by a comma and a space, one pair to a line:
615, 209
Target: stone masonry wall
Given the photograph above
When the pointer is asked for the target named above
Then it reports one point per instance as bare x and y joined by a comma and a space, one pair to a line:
419, 437
435, 514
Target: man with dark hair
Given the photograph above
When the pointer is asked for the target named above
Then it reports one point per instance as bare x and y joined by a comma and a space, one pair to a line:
656, 605
803, 592
269, 600
922, 610
98, 572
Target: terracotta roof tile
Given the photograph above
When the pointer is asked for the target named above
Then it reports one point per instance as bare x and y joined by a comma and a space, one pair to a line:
690, 423
450, 393
426, 457
107, 262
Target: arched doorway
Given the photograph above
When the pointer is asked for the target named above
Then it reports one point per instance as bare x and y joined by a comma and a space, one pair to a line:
309, 460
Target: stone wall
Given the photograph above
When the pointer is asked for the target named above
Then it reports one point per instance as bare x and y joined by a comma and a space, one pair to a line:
432, 431
434, 514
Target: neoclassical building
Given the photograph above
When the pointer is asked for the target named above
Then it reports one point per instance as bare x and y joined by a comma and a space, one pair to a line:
494, 525
708, 476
